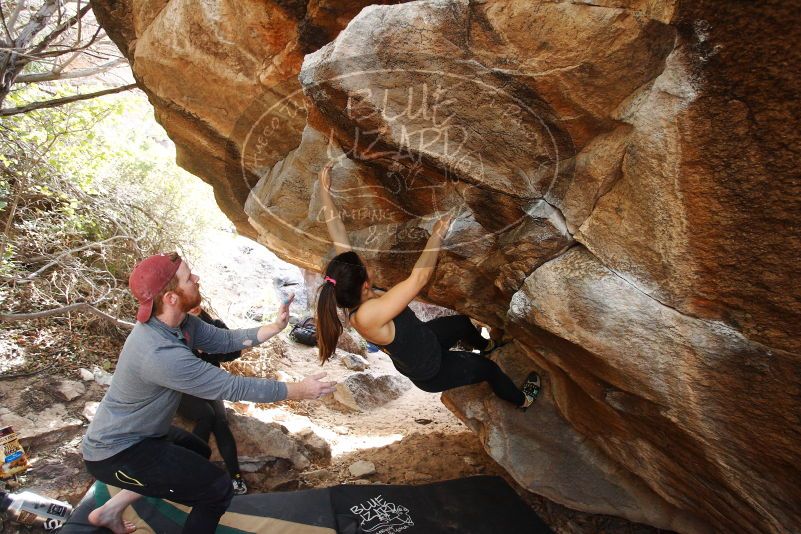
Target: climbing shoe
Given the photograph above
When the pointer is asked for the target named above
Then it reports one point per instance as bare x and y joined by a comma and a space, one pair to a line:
531, 389
240, 488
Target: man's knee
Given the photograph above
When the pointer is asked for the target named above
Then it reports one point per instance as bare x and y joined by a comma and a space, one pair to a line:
226, 490
219, 493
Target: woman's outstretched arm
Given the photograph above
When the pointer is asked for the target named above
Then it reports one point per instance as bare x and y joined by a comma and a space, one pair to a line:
336, 228
424, 267
386, 307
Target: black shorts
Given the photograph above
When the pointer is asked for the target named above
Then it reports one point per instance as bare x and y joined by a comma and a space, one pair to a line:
174, 467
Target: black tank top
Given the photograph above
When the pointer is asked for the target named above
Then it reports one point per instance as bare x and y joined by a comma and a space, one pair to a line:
415, 351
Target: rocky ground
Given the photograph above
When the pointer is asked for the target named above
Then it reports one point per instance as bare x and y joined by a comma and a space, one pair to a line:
376, 428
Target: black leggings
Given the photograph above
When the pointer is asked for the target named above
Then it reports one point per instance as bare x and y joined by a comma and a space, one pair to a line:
209, 416
460, 368
174, 467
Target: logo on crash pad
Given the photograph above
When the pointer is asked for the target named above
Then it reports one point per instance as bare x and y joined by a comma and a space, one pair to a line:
381, 517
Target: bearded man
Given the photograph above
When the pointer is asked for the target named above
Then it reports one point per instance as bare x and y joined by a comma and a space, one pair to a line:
130, 443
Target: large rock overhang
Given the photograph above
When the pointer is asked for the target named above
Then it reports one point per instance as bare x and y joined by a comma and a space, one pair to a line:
627, 189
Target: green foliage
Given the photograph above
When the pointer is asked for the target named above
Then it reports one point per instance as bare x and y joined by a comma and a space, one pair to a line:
4, 187
93, 187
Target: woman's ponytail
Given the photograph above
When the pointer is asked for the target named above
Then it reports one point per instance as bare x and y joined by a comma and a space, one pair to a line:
344, 277
329, 327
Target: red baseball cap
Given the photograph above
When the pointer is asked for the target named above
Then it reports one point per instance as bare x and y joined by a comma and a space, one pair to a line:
148, 278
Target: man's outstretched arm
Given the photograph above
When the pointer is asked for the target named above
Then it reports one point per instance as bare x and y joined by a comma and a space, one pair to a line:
310, 387
213, 340
177, 368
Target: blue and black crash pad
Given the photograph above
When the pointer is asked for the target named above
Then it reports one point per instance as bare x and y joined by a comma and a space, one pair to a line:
475, 505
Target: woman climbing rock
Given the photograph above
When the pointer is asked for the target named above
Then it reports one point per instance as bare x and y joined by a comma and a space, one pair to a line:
419, 350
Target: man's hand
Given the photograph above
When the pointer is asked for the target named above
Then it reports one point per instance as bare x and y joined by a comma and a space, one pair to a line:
283, 312
309, 388
269, 330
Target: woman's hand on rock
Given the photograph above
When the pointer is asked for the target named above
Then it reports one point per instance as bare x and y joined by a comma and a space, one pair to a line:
325, 175
442, 225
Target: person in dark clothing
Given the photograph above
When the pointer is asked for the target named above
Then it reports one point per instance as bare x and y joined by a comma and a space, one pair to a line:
419, 350
209, 415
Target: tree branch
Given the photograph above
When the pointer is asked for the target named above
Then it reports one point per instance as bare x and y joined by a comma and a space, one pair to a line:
36, 24
21, 185
56, 50
5, 26
61, 101
12, 20
55, 260
46, 367
58, 68
77, 73
69, 23
81, 306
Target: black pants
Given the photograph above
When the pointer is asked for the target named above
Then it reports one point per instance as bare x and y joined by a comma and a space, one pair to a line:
209, 417
460, 368
175, 467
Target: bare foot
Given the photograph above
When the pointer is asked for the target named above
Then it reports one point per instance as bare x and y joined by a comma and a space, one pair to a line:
112, 520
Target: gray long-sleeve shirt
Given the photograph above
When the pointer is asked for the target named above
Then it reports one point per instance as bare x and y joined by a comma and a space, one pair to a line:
155, 367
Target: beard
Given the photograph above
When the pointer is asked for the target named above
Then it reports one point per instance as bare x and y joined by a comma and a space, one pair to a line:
188, 301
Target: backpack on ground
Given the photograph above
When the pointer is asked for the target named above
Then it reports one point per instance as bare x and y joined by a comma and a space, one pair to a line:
305, 332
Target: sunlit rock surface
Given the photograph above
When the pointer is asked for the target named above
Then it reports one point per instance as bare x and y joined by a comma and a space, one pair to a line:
625, 178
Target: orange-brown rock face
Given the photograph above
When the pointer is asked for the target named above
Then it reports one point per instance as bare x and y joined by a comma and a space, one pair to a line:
625, 181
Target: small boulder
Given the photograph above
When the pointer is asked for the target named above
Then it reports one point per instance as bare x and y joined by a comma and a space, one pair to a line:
354, 362
101, 377
363, 391
317, 449
53, 424
251, 465
362, 468
89, 410
265, 441
68, 390
349, 342
86, 374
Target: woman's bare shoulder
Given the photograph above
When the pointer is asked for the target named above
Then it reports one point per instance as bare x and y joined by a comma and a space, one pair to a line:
363, 320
